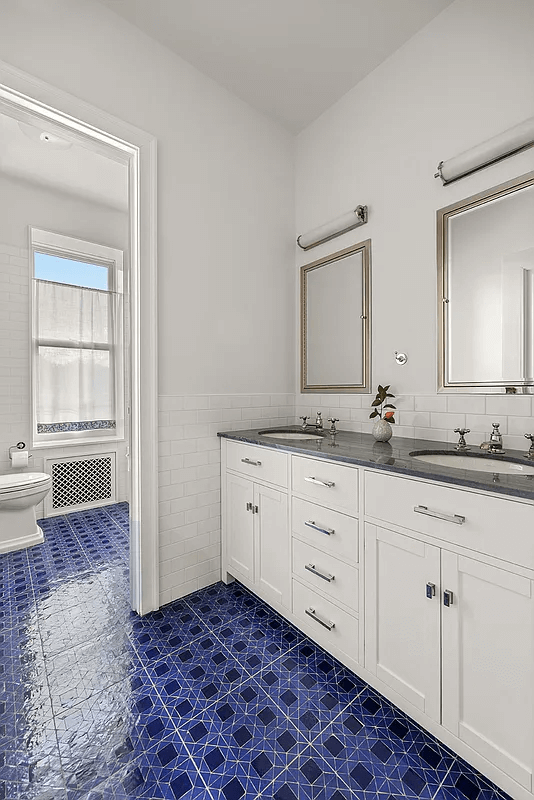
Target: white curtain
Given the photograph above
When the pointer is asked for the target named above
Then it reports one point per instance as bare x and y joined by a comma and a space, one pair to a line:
74, 353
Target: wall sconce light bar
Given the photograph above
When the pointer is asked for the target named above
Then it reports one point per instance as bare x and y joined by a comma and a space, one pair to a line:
506, 144
334, 228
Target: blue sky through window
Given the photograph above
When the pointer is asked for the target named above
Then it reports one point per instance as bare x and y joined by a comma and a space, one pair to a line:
65, 270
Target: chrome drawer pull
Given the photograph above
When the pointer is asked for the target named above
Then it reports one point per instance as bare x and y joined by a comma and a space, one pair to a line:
328, 625
457, 519
252, 463
311, 524
329, 484
326, 577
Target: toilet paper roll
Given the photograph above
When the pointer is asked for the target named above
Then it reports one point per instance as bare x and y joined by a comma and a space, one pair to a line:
19, 459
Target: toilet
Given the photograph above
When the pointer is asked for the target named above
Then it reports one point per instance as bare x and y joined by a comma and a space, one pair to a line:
20, 494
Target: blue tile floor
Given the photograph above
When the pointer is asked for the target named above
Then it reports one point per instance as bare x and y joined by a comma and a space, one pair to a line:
213, 697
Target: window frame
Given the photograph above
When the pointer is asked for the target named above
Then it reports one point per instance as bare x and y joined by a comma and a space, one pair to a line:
69, 247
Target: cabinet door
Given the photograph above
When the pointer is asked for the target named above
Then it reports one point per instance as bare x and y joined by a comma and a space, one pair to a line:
240, 527
488, 662
402, 623
271, 521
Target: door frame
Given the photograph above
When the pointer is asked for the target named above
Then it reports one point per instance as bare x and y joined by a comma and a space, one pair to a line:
25, 95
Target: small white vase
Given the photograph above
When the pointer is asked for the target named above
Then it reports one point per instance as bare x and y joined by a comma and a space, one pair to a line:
382, 430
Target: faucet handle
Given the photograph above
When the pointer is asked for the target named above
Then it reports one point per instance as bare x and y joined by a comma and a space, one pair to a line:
462, 444
304, 421
530, 436
530, 454
333, 421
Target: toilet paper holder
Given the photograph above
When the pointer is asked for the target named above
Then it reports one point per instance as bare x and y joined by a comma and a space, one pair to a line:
19, 446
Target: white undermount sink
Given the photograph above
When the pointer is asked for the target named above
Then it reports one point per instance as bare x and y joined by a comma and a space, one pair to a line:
478, 464
300, 436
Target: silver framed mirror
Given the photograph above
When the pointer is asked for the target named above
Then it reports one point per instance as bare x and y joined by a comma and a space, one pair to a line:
335, 294
485, 256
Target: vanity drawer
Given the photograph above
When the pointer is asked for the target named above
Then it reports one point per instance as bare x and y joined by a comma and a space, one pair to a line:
322, 527
328, 484
329, 625
492, 525
328, 574
259, 463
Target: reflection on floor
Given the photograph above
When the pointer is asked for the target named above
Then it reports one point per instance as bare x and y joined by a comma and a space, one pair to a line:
212, 697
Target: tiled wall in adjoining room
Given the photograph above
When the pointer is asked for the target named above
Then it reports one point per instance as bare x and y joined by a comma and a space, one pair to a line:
14, 350
432, 417
190, 480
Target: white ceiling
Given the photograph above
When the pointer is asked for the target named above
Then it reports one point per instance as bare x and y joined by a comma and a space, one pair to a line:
291, 59
77, 170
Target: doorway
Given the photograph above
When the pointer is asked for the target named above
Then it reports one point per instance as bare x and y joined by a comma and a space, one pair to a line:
44, 111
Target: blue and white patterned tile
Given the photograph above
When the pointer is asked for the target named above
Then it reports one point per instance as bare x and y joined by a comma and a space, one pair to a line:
310, 777
310, 686
195, 676
165, 772
164, 632
77, 673
463, 782
219, 604
241, 743
115, 581
258, 640
63, 628
108, 731
371, 766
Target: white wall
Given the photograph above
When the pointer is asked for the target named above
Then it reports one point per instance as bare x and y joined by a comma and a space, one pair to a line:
464, 78
225, 244
23, 204
225, 192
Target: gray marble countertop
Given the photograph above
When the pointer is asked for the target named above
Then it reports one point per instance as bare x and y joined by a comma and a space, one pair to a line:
394, 456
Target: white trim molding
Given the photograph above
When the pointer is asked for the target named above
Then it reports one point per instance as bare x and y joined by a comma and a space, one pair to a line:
25, 97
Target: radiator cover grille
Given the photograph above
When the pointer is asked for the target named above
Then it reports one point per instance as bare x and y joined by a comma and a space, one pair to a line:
81, 482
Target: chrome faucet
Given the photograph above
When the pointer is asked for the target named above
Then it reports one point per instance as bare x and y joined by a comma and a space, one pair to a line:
318, 422
530, 454
494, 444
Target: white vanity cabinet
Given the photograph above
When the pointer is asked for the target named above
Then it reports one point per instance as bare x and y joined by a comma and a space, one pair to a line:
488, 663
448, 629
256, 520
325, 553
402, 634
424, 589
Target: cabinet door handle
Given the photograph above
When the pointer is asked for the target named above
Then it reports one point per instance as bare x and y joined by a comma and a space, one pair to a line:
324, 575
311, 524
448, 598
328, 625
256, 510
328, 484
249, 506
430, 590
457, 519
250, 462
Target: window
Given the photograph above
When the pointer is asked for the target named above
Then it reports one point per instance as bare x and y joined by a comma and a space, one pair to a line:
77, 342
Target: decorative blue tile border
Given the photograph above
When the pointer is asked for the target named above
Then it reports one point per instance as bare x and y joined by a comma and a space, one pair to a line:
67, 427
